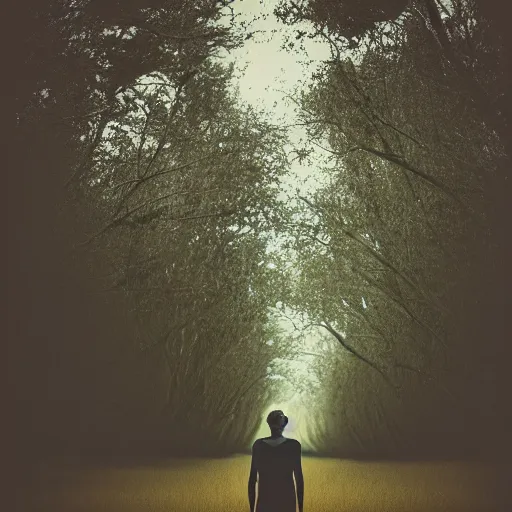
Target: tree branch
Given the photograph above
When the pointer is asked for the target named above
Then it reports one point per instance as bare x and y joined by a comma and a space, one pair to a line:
344, 344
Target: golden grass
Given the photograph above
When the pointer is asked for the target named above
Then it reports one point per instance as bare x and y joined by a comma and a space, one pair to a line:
203, 485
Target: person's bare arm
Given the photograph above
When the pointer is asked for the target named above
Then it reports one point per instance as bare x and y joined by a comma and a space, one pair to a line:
299, 478
253, 477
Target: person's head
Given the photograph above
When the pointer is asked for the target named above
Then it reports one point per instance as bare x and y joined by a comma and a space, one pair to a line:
277, 421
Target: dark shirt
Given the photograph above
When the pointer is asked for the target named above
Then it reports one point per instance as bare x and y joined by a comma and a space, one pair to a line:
275, 467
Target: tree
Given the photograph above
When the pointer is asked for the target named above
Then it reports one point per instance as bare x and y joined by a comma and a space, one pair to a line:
388, 248
163, 188
470, 35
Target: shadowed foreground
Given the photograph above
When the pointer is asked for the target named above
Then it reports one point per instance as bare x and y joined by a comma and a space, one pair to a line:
221, 485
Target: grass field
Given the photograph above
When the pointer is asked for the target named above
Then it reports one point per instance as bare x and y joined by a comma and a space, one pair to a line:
215, 485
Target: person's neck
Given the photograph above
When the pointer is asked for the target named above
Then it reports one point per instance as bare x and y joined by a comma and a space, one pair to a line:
276, 435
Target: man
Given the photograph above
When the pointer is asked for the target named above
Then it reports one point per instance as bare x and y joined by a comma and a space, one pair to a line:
275, 460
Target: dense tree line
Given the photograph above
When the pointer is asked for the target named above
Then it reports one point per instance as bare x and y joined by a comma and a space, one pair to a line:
145, 194
144, 208
401, 256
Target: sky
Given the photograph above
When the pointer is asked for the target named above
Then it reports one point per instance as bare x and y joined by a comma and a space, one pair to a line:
266, 74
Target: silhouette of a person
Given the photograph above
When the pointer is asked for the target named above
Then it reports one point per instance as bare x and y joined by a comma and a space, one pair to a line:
274, 461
